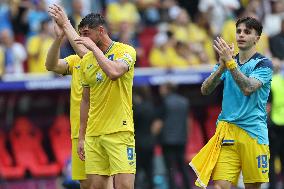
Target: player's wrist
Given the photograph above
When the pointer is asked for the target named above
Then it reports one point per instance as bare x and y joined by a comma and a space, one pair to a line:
231, 64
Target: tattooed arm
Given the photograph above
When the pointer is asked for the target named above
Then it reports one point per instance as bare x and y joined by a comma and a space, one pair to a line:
248, 85
213, 80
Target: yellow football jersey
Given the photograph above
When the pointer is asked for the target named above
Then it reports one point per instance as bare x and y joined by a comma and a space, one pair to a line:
110, 101
73, 62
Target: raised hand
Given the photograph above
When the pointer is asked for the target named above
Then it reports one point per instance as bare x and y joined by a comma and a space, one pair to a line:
86, 41
58, 14
225, 51
59, 33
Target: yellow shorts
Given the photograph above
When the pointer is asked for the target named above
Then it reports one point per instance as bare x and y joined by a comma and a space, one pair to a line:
78, 166
110, 154
242, 152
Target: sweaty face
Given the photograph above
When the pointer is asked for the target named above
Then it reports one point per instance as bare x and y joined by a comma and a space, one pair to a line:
246, 38
93, 34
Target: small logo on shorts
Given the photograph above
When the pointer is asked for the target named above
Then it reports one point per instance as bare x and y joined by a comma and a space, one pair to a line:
130, 153
124, 123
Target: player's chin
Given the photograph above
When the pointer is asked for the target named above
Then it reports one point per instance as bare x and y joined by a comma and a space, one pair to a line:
242, 46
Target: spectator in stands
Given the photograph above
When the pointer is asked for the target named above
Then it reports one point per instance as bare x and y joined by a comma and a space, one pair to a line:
276, 129
184, 57
174, 134
122, 12
217, 12
277, 43
272, 21
148, 123
186, 31
5, 21
18, 17
160, 52
14, 53
149, 11
38, 46
36, 14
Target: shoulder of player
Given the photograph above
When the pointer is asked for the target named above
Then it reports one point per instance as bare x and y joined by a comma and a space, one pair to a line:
263, 62
126, 46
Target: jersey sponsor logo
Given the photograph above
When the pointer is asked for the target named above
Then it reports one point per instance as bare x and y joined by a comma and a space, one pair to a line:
77, 67
99, 77
89, 66
130, 153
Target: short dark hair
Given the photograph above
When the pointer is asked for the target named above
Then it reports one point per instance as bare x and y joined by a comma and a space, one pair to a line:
92, 21
251, 23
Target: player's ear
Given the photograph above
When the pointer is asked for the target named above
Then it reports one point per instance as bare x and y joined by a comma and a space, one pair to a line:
257, 38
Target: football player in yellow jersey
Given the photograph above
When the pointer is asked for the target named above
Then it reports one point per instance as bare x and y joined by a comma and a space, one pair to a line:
107, 75
70, 66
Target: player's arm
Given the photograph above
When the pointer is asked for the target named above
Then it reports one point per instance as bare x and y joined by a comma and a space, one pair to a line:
113, 69
213, 80
58, 14
84, 109
248, 85
52, 62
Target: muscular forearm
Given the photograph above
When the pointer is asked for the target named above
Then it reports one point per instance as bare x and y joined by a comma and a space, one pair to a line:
246, 84
71, 34
112, 69
84, 109
53, 56
212, 81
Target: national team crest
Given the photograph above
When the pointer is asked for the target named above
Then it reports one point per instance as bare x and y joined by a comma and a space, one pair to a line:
99, 77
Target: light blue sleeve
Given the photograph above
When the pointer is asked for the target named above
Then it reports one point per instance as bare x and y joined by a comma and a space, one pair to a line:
215, 69
263, 74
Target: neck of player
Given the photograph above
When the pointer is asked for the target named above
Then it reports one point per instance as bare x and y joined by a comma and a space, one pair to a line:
245, 55
105, 43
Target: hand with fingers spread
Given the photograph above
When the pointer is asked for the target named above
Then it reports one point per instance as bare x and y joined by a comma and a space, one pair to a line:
223, 49
59, 33
58, 14
225, 52
87, 42
81, 150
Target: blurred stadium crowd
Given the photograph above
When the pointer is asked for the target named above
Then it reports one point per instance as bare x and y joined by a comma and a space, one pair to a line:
166, 34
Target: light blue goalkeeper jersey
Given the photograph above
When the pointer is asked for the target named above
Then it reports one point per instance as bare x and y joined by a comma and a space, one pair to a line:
248, 112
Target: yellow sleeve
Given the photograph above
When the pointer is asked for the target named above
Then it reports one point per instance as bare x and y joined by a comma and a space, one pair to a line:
83, 70
71, 62
128, 56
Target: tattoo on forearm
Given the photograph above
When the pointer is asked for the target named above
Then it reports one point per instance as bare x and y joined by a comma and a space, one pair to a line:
211, 83
246, 84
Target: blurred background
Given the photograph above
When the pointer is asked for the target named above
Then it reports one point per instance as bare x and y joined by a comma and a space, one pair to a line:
173, 40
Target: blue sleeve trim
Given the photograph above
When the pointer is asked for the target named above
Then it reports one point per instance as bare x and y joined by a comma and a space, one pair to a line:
264, 63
